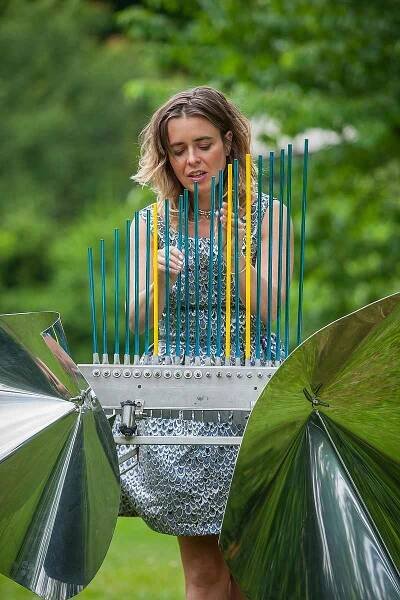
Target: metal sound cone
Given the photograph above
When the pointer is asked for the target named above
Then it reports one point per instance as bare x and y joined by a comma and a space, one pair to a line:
59, 477
314, 507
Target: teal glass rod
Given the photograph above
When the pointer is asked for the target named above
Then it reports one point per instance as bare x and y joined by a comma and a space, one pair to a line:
103, 295
211, 266
236, 253
137, 307
187, 330
179, 281
196, 270
127, 282
218, 348
302, 244
92, 298
259, 257
147, 305
116, 292
280, 254
270, 245
167, 304
288, 246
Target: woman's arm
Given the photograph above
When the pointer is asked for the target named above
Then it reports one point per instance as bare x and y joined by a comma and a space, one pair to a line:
264, 266
175, 266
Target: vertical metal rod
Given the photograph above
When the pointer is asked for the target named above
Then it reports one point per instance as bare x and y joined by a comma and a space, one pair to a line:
270, 246
228, 270
280, 255
167, 303
127, 289
179, 282
219, 267
302, 244
259, 257
147, 300
103, 300
196, 273
155, 284
210, 269
187, 330
236, 256
137, 306
92, 297
116, 296
288, 247
248, 261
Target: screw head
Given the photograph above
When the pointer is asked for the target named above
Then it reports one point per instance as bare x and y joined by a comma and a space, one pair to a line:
137, 373
96, 373
167, 374
147, 373
126, 373
177, 374
157, 374
116, 373
106, 373
198, 374
187, 374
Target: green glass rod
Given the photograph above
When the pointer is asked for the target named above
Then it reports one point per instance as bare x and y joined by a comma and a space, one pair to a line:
137, 307
218, 348
167, 304
103, 298
236, 253
116, 295
302, 244
92, 298
196, 270
127, 288
179, 280
280, 254
288, 246
211, 266
270, 245
259, 257
187, 330
147, 306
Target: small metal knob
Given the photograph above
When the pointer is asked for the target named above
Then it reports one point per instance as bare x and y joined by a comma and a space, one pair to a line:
126, 373
167, 374
116, 373
106, 373
187, 374
157, 374
137, 373
229, 374
249, 375
147, 373
198, 374
177, 374
96, 373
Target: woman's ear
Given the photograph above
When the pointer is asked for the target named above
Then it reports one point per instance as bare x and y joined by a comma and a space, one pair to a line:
228, 142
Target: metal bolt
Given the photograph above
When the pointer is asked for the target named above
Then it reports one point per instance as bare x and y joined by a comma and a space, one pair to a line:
137, 373
229, 374
239, 375
259, 375
249, 375
157, 374
208, 374
146, 374
116, 373
177, 374
167, 374
106, 373
126, 373
96, 373
187, 374
198, 374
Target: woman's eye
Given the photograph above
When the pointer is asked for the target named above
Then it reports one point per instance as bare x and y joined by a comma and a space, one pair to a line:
205, 147
178, 152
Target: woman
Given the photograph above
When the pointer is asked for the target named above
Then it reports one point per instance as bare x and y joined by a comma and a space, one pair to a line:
182, 490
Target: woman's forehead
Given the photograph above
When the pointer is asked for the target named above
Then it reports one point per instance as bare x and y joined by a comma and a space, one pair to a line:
183, 130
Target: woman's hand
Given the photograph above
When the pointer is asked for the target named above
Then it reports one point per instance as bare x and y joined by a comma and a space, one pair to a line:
176, 263
223, 216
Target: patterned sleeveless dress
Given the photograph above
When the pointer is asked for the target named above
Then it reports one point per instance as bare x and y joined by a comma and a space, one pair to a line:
182, 490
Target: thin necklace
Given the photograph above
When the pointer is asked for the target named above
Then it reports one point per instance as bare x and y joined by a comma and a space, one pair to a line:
204, 213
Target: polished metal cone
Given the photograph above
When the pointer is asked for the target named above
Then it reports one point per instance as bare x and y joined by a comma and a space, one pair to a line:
59, 478
314, 507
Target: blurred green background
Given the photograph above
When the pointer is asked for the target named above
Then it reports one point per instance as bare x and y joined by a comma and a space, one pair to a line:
80, 79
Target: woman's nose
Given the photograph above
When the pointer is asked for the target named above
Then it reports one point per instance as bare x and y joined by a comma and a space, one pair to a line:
192, 157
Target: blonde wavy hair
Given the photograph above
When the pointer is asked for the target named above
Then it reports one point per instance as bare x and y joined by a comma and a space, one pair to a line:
155, 169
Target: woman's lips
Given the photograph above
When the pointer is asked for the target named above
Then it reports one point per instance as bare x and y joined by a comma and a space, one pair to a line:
197, 178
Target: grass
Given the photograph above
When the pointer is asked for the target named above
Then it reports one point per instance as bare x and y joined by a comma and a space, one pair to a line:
140, 565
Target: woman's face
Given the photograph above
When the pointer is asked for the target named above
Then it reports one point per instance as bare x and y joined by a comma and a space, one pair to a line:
196, 151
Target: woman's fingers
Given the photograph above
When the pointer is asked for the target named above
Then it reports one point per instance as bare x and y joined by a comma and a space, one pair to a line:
175, 260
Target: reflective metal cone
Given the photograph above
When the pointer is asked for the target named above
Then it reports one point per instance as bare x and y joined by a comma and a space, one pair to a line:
59, 477
314, 506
